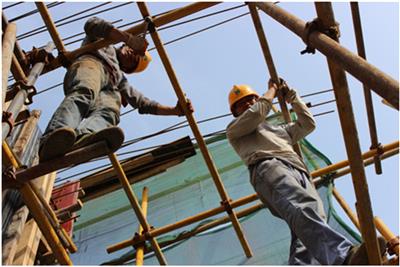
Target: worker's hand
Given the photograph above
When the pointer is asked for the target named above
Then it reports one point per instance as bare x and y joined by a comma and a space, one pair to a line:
179, 109
138, 44
290, 96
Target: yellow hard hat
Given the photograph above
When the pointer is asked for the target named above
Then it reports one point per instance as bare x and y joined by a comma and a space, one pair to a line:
143, 62
238, 92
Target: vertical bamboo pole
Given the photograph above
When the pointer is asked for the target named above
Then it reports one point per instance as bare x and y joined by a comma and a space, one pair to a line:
193, 125
378, 81
51, 27
270, 64
346, 208
7, 50
33, 204
135, 205
350, 134
367, 92
140, 249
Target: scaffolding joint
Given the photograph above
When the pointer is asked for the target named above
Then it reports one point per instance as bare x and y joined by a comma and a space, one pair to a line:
137, 242
64, 60
38, 55
316, 25
151, 27
30, 90
392, 244
227, 205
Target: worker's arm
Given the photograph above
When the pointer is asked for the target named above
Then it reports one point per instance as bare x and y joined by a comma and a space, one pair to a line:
146, 106
305, 123
251, 118
96, 28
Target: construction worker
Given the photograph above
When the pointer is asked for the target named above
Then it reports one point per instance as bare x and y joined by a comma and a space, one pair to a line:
94, 87
281, 179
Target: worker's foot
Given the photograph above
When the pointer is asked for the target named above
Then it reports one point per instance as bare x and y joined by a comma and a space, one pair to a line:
56, 143
114, 137
358, 254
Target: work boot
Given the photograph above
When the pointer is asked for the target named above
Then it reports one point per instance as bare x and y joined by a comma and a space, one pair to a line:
56, 143
358, 254
114, 137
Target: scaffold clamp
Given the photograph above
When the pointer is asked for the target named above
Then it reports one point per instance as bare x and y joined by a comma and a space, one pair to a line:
227, 205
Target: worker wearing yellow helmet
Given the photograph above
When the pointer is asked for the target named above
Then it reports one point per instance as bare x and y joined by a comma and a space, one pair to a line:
281, 178
94, 87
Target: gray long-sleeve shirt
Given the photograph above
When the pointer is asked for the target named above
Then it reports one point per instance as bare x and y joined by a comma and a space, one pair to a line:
96, 28
255, 139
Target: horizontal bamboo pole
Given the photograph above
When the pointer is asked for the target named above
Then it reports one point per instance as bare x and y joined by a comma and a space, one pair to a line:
165, 229
137, 29
345, 163
372, 77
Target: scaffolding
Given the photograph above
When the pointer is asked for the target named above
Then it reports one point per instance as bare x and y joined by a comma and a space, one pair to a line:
322, 36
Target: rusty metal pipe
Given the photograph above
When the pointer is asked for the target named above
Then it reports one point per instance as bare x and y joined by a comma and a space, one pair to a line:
9, 38
367, 92
350, 134
378, 81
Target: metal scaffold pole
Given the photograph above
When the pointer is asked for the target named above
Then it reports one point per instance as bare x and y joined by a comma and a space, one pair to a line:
193, 124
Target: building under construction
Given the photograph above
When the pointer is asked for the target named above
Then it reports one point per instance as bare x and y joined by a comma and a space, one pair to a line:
187, 199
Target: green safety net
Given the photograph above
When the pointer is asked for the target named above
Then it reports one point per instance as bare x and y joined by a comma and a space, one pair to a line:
188, 189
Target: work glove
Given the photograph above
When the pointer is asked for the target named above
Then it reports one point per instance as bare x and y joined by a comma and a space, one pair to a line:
291, 96
138, 44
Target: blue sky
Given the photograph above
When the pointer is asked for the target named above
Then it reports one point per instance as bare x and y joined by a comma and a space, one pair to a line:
209, 63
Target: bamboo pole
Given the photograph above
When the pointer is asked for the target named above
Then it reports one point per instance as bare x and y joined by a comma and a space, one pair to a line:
192, 219
345, 163
367, 92
137, 29
199, 138
135, 205
17, 70
9, 38
386, 233
372, 77
51, 27
350, 134
19, 99
271, 67
140, 249
352, 216
33, 204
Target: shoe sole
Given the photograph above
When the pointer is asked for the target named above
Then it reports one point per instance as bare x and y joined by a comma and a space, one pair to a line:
57, 144
114, 137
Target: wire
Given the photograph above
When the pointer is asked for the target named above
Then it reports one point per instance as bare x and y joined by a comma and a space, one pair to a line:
30, 13
80, 18
173, 127
65, 18
12, 5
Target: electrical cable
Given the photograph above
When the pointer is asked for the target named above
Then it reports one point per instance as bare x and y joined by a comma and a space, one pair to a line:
32, 12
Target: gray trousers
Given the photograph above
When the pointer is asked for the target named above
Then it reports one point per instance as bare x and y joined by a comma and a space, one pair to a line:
289, 195
91, 103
